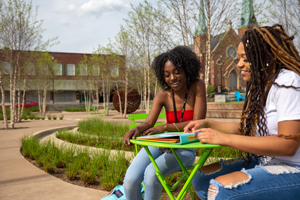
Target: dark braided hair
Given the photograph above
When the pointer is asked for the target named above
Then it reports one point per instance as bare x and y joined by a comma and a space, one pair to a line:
183, 58
269, 50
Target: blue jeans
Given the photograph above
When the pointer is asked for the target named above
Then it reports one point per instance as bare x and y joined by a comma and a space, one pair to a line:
264, 182
141, 169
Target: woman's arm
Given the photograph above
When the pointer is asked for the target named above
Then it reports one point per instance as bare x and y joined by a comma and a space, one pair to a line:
268, 145
157, 105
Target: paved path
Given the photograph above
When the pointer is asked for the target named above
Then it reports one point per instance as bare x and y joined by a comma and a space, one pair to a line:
20, 180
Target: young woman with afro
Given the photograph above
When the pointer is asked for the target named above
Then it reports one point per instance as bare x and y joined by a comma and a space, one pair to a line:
269, 131
184, 98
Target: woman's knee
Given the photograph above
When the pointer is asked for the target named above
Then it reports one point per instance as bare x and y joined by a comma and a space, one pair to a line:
228, 181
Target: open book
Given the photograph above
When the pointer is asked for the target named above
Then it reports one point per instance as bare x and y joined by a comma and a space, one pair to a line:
171, 137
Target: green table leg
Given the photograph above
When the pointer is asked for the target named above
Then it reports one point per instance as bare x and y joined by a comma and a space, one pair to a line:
188, 183
159, 175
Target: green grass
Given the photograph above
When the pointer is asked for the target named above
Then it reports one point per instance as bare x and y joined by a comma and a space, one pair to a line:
113, 142
98, 127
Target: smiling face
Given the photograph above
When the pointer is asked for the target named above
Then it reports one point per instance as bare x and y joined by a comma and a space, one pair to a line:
176, 80
243, 63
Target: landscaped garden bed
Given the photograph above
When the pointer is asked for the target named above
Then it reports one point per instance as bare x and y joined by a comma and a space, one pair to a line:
94, 170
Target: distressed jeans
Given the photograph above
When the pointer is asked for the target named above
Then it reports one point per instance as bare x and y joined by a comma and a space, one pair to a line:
142, 169
265, 182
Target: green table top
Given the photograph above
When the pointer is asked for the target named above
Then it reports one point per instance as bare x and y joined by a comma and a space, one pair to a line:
193, 145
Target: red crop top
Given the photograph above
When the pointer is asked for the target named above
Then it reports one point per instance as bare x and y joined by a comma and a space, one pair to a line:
187, 116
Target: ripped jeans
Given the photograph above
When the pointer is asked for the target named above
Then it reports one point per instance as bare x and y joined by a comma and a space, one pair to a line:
264, 182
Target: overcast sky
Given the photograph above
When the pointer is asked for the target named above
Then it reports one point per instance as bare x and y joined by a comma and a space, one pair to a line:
82, 24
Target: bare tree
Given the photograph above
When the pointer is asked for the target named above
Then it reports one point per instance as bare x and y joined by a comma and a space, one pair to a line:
20, 31
286, 13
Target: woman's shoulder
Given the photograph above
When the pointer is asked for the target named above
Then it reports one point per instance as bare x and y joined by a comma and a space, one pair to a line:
288, 78
198, 85
162, 94
197, 82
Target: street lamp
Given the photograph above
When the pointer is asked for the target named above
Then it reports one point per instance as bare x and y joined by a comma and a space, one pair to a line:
220, 63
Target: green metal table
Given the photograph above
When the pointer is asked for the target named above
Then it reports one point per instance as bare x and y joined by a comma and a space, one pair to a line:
195, 145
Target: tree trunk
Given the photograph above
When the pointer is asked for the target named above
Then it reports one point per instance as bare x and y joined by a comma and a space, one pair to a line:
40, 101
208, 48
120, 102
126, 93
107, 97
44, 98
3, 102
145, 82
23, 97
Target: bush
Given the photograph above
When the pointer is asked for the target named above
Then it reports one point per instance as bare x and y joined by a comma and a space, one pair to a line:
61, 117
210, 89
54, 117
75, 109
49, 117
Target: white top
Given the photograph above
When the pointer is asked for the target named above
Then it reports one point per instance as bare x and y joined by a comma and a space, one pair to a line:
283, 104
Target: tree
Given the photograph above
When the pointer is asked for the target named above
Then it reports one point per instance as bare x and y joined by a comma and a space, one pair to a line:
286, 13
20, 32
45, 71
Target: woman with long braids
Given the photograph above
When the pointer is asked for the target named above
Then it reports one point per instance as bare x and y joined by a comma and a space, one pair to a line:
184, 98
269, 130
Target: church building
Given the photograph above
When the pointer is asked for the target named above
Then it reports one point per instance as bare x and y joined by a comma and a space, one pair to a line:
223, 65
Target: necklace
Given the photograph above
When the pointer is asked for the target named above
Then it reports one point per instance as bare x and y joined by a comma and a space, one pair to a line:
174, 105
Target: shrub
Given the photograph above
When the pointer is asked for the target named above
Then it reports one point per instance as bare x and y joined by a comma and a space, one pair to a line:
43, 117
49, 117
54, 117
61, 117
75, 109
210, 89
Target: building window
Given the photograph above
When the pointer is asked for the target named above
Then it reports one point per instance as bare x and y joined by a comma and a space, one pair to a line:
115, 70
6, 67
30, 69
95, 70
70, 69
83, 70
58, 69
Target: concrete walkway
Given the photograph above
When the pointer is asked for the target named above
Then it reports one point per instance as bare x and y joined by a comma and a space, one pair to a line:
20, 180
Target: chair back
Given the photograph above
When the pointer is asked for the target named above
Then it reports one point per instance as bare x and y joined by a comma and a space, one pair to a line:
237, 94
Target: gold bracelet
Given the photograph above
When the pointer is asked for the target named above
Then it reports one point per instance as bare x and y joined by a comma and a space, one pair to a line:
176, 127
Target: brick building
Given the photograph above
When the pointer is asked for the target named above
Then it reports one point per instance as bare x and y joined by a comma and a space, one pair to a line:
67, 84
224, 70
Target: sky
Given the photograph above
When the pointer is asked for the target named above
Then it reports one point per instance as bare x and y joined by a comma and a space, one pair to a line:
81, 25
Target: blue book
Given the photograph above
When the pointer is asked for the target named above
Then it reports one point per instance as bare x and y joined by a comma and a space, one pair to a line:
171, 137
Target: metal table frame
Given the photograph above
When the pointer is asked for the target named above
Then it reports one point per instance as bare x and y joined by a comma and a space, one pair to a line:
195, 145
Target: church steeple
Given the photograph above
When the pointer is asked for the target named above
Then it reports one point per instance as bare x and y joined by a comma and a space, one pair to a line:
201, 28
248, 20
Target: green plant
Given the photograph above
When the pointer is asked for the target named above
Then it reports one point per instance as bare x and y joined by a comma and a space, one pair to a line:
49, 117
43, 117
210, 89
61, 117
37, 117
25, 117
54, 117
72, 170
75, 109
30, 146
31, 116
114, 171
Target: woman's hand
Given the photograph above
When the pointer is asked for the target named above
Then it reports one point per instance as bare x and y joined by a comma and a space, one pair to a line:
194, 126
132, 133
154, 130
212, 136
